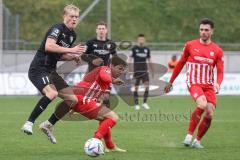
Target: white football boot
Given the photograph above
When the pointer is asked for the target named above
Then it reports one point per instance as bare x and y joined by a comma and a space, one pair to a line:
188, 139
47, 128
136, 107
196, 144
145, 106
27, 128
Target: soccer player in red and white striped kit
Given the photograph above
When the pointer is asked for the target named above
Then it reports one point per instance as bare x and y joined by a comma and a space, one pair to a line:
201, 56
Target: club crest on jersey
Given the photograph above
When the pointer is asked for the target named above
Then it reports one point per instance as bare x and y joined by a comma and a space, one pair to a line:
137, 50
212, 53
195, 95
108, 70
145, 50
71, 39
108, 46
95, 45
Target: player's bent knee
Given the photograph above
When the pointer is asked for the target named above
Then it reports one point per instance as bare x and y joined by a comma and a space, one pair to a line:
52, 94
114, 116
74, 99
202, 102
210, 110
71, 101
203, 105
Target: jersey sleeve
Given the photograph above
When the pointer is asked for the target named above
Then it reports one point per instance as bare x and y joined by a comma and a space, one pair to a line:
105, 75
87, 56
113, 49
180, 63
148, 53
89, 47
133, 52
54, 33
220, 67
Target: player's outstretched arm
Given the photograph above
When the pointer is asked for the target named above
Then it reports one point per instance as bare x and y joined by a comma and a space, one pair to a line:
52, 47
92, 59
180, 64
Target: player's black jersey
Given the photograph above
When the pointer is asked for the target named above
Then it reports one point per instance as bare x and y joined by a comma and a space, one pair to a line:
140, 55
101, 49
64, 37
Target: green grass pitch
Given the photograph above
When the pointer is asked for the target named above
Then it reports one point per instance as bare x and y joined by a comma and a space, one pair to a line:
147, 135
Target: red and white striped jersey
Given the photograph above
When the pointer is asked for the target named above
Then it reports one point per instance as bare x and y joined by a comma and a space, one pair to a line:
94, 84
200, 60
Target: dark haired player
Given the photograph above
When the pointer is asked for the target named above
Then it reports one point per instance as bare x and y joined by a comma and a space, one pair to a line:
201, 56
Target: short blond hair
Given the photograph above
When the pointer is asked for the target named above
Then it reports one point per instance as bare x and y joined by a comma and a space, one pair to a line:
70, 7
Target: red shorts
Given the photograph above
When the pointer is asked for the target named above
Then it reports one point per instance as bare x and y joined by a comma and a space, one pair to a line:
89, 109
208, 91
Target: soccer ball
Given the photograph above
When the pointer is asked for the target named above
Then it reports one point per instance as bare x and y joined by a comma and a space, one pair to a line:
94, 147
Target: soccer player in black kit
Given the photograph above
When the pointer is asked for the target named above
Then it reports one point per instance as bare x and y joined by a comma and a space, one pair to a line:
140, 56
55, 46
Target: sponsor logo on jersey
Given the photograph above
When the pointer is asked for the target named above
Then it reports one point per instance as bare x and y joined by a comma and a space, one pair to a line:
203, 59
101, 51
212, 53
64, 44
143, 55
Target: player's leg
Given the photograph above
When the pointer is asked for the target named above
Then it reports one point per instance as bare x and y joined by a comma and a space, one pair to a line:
204, 125
207, 119
107, 119
135, 94
201, 101
41, 81
146, 92
69, 100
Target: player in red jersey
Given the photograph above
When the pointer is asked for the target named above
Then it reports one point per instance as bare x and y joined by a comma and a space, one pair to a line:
201, 56
89, 92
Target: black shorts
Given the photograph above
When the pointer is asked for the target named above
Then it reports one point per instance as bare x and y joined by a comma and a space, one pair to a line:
144, 77
42, 77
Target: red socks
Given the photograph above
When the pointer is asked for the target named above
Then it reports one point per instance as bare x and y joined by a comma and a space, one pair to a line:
203, 127
195, 118
108, 140
104, 128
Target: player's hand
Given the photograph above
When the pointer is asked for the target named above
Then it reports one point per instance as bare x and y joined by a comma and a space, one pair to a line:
168, 88
216, 88
97, 61
118, 81
78, 49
